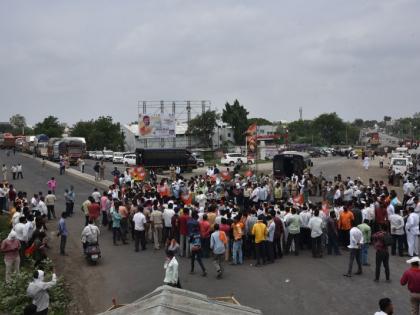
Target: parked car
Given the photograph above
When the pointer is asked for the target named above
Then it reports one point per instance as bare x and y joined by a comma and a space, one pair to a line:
91, 155
108, 155
129, 159
118, 158
233, 158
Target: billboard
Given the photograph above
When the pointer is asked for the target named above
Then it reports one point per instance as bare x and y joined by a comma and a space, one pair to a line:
156, 126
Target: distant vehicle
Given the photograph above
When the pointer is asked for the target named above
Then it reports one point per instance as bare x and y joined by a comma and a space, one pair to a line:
162, 159
7, 141
353, 155
91, 155
200, 162
129, 159
400, 165
118, 158
108, 155
73, 149
41, 145
99, 155
230, 159
290, 163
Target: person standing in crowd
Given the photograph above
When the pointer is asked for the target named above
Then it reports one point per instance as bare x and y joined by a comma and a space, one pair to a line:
96, 168
52, 184
183, 231
332, 232
50, 200
10, 249
195, 244
156, 219
102, 171
356, 240
386, 307
167, 215
260, 232
3, 198
62, 166
345, 224
411, 278
85, 208
316, 226
116, 226
237, 228
81, 164
4, 172
139, 220
171, 270
293, 225
218, 242
366, 231
19, 170
382, 255
412, 231
63, 233
397, 232
38, 291
94, 211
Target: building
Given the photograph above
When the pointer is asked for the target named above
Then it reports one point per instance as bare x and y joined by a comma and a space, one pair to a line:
223, 134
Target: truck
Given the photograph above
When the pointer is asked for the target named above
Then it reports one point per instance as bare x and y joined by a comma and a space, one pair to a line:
41, 145
162, 159
290, 163
71, 148
7, 141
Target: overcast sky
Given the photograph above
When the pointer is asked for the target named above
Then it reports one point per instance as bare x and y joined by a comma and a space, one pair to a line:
81, 59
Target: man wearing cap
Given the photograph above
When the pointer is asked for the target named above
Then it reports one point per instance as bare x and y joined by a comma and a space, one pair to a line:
411, 277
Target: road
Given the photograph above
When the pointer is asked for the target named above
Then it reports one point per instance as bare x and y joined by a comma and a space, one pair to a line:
292, 285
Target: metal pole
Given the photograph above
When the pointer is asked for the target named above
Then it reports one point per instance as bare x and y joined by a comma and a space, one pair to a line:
188, 122
144, 112
173, 113
162, 109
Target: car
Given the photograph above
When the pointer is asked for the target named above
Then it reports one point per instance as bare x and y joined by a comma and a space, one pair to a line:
233, 158
108, 155
91, 155
118, 158
129, 159
200, 162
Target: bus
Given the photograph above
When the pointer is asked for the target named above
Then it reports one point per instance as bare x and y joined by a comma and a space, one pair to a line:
290, 163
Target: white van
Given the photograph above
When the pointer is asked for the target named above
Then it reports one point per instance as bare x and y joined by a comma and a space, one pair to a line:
399, 165
129, 159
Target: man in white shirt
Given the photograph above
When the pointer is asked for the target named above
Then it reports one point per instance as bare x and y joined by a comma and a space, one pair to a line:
315, 225
90, 234
168, 213
19, 171
96, 195
38, 291
171, 271
386, 307
305, 231
21, 231
356, 240
397, 232
139, 220
412, 231
42, 207
50, 200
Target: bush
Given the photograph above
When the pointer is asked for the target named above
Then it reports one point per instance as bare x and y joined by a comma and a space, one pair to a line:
13, 298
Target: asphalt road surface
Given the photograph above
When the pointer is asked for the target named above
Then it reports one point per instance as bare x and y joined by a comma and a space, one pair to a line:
292, 285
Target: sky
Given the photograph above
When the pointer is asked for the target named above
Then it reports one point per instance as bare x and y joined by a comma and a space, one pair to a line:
78, 60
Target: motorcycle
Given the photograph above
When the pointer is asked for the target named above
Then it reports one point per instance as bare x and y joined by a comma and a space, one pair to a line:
92, 253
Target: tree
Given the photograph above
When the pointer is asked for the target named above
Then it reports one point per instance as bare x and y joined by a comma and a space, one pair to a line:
387, 118
49, 126
330, 127
259, 121
18, 121
237, 117
100, 133
203, 126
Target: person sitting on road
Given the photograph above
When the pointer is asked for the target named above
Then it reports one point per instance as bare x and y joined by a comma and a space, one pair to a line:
90, 234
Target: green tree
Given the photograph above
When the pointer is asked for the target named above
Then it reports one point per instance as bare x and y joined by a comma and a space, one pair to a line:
259, 121
18, 121
49, 126
237, 117
100, 133
330, 127
203, 126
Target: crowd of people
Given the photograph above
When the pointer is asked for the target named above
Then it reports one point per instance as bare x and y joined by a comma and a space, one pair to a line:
230, 217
